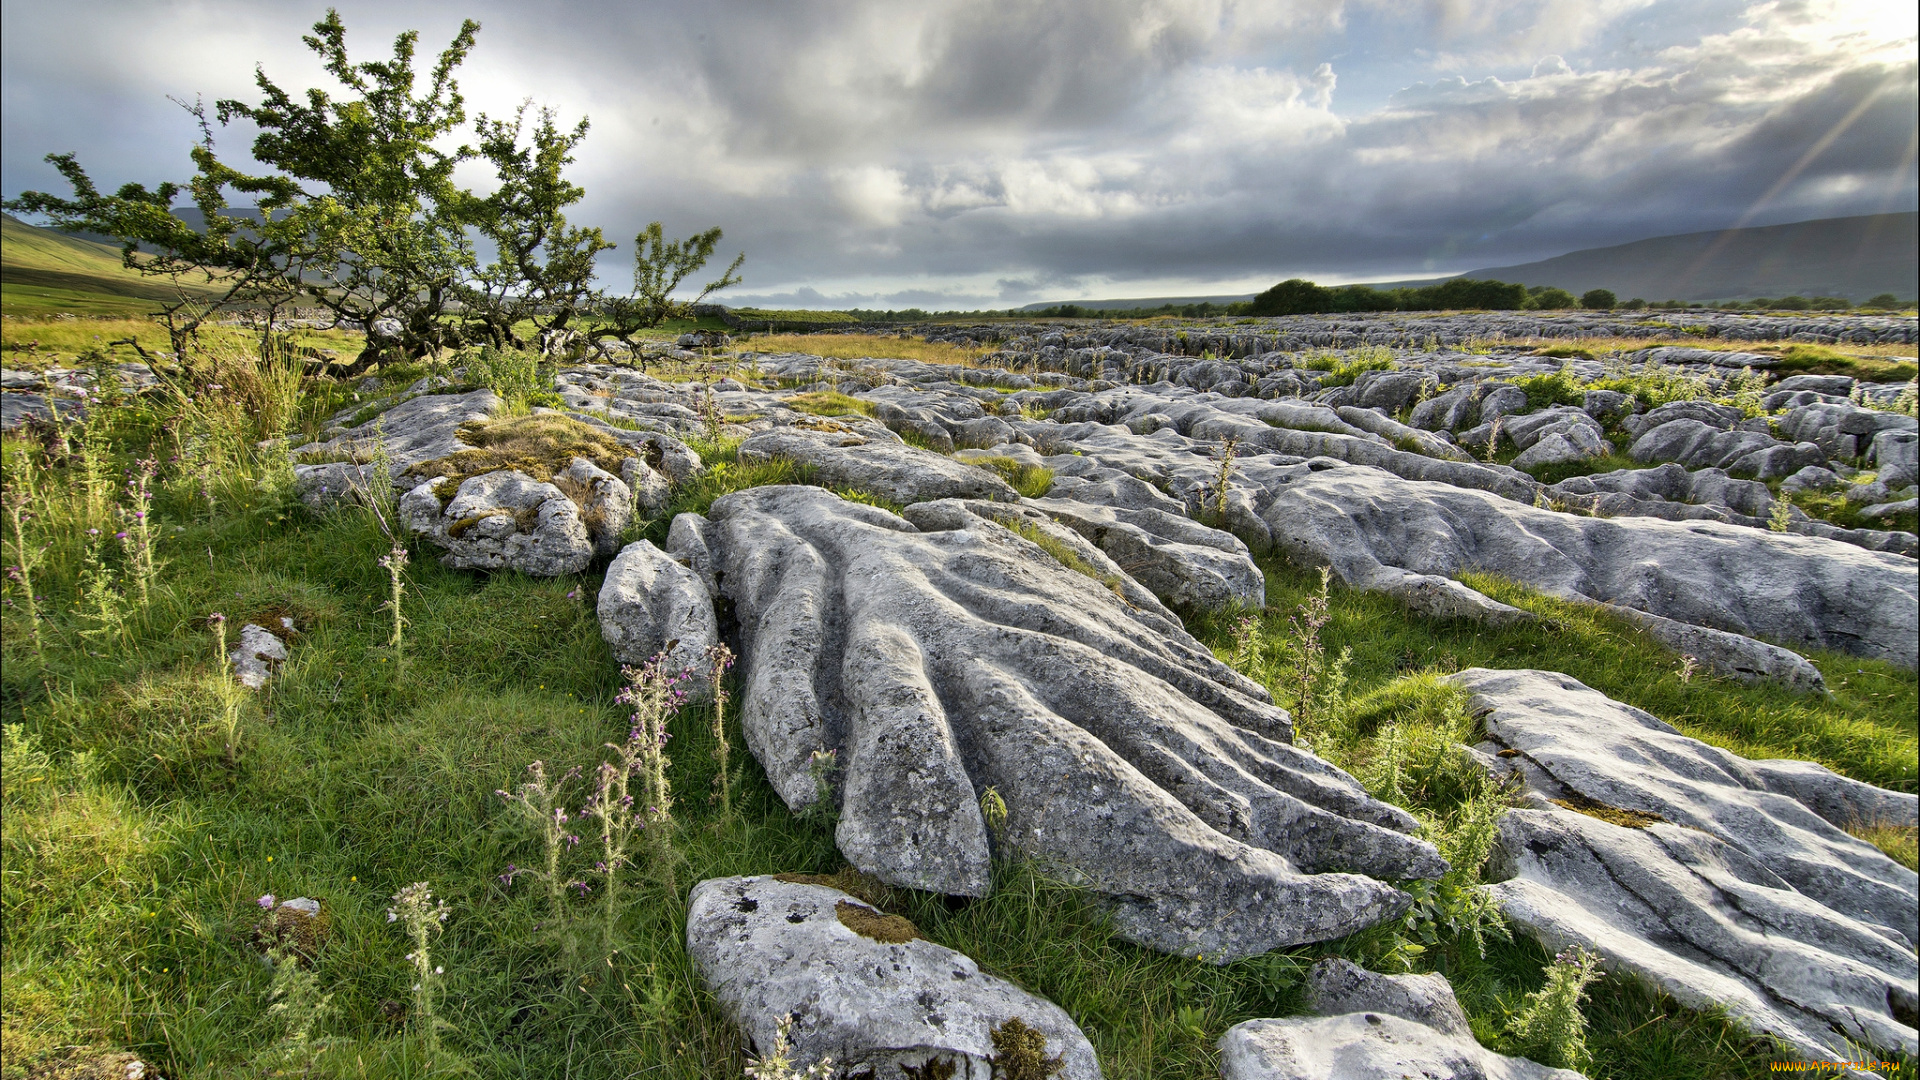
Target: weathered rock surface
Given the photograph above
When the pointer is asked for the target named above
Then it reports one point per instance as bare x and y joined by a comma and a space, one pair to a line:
877, 462
886, 1009
944, 655
1371, 1027
1733, 884
1798, 589
1181, 561
502, 520
256, 656
649, 602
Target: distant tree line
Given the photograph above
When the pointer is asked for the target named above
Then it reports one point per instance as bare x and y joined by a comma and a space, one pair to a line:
359, 213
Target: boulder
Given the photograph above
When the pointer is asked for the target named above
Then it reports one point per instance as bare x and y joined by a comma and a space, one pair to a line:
1179, 560
605, 502
1896, 456
650, 604
1711, 926
501, 520
939, 657
1799, 590
1371, 1027
886, 467
257, 656
861, 987
1575, 743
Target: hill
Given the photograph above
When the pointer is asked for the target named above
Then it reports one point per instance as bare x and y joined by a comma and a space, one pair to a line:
1854, 257
43, 270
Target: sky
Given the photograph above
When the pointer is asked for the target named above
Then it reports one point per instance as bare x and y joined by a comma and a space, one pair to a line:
952, 154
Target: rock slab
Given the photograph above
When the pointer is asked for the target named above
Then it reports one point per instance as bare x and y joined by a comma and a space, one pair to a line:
888, 1009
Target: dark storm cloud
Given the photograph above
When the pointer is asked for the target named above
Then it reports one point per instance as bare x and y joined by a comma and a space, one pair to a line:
947, 153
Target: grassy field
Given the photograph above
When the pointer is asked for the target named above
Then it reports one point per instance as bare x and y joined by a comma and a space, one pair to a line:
136, 842
865, 347
148, 802
43, 272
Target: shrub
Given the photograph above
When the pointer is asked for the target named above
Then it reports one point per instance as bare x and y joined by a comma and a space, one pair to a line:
1599, 300
1551, 298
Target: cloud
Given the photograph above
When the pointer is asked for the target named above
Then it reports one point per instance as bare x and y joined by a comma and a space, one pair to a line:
1005, 150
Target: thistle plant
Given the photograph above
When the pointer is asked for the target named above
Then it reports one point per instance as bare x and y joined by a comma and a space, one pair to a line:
1224, 453
777, 1062
298, 1007
655, 695
19, 494
394, 562
719, 661
1318, 686
421, 918
100, 602
821, 765
1780, 518
1550, 1025
539, 801
1246, 644
95, 455
137, 537
710, 414
229, 688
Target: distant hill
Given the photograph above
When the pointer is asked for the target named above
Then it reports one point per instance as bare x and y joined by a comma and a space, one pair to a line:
46, 270
1146, 302
1854, 257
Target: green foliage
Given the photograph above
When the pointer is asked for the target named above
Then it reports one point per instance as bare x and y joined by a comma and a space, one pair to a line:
1823, 360
1599, 300
1343, 368
523, 379
1297, 296
831, 403
1550, 1025
1558, 388
1547, 297
659, 266
1031, 481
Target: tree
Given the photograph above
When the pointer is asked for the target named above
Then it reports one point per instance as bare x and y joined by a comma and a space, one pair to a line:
1883, 300
378, 204
543, 268
659, 266
1599, 300
1549, 298
360, 214
1294, 296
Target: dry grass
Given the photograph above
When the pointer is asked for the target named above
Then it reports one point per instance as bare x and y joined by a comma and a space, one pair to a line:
866, 347
1900, 842
539, 446
1600, 347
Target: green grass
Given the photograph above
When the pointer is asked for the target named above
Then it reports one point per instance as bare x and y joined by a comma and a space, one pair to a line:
831, 403
1821, 360
1031, 481
135, 844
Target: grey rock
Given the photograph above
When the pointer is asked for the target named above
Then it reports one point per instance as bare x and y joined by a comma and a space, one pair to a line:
502, 520
1501, 401
1391, 390
11, 379
1181, 561
942, 656
1574, 739
414, 431
1896, 456
1336, 985
1607, 406
651, 604
1811, 478
18, 408
1552, 450
1718, 417
1400, 434
1836, 385
1733, 655
866, 462
1800, 590
605, 502
1696, 445
256, 656
1889, 509
1364, 1046
769, 949
1710, 925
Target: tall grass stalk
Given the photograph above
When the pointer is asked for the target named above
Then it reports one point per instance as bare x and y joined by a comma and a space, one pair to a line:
719, 662
20, 494
540, 803
422, 918
138, 535
654, 694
